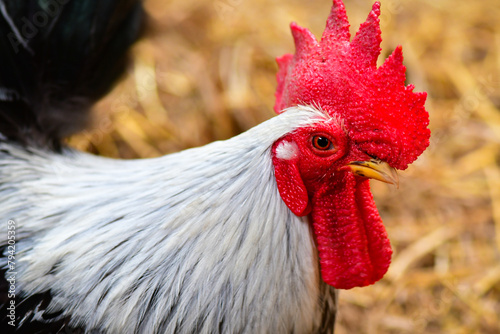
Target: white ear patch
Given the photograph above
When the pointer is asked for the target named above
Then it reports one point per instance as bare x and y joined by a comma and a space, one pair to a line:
287, 150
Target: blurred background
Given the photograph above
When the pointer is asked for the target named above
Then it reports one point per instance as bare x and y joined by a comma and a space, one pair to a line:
205, 71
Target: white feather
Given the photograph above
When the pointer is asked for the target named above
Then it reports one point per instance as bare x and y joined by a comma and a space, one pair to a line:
193, 242
287, 150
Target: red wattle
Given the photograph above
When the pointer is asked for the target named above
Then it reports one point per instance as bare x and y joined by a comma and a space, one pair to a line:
353, 246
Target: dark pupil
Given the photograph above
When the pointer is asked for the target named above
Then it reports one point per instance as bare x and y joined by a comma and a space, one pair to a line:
322, 142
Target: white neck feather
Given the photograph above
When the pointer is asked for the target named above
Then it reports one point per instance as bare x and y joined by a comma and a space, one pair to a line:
197, 241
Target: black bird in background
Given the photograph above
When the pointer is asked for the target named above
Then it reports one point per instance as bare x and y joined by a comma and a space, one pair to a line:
58, 57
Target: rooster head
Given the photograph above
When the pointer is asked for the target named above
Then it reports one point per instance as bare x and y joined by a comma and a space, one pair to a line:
375, 124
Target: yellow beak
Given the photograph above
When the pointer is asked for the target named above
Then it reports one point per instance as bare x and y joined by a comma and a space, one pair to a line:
375, 169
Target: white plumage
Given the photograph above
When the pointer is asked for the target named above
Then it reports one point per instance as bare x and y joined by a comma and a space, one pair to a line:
198, 241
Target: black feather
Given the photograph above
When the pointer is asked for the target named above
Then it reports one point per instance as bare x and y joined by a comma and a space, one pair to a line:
29, 314
57, 58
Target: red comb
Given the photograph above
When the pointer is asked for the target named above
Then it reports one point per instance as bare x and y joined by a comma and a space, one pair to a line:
385, 118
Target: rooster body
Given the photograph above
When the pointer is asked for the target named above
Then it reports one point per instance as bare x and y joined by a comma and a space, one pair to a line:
254, 234
176, 260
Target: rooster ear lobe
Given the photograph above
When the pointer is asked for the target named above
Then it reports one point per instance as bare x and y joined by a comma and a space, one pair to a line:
291, 187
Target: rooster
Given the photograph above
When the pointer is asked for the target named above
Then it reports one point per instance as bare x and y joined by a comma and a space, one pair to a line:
253, 234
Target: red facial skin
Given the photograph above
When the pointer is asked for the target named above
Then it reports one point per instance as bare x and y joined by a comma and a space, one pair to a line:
353, 246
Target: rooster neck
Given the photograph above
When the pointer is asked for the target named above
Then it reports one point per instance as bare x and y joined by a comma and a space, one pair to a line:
195, 240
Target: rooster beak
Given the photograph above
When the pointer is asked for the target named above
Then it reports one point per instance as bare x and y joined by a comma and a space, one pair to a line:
375, 169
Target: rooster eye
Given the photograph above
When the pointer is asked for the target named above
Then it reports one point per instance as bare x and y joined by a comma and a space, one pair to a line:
322, 143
